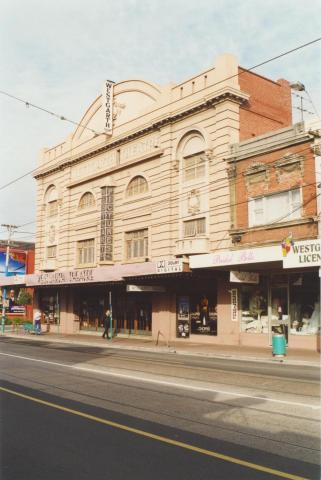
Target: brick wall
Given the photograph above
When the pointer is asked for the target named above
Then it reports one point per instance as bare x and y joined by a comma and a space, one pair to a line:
269, 107
271, 178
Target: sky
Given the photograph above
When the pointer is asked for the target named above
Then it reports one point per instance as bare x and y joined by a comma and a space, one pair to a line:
58, 54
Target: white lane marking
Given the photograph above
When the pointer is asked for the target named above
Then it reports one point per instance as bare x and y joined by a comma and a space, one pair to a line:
161, 382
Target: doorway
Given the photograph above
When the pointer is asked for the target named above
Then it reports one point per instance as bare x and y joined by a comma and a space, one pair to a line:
279, 307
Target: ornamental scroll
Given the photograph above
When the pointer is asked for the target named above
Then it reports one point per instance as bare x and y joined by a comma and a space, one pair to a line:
107, 100
106, 224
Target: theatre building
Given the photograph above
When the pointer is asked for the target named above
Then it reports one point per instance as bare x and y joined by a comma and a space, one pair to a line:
272, 270
140, 187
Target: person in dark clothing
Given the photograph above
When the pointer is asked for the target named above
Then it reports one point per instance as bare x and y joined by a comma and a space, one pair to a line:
107, 319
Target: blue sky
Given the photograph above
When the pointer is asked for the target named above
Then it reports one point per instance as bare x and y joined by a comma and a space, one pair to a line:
57, 55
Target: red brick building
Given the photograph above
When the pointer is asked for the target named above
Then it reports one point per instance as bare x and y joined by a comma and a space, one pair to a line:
21, 263
274, 198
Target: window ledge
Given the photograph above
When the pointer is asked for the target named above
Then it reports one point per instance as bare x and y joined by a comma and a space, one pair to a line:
272, 226
86, 265
137, 198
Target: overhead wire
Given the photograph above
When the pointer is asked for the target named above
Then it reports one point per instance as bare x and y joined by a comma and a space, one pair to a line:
61, 117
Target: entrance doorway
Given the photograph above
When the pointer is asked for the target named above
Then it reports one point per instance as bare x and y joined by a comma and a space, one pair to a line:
279, 307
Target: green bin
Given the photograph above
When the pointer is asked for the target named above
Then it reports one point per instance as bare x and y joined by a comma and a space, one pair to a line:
278, 345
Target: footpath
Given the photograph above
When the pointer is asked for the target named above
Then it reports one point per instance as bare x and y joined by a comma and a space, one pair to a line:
233, 352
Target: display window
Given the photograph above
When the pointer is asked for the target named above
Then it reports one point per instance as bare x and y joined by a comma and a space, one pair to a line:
304, 304
285, 303
49, 306
254, 308
196, 314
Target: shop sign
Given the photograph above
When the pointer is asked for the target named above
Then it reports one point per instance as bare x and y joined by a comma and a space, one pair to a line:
65, 277
169, 266
145, 288
306, 253
234, 305
244, 277
236, 257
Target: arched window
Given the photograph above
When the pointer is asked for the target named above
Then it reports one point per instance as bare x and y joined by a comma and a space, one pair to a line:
86, 201
193, 158
137, 186
51, 200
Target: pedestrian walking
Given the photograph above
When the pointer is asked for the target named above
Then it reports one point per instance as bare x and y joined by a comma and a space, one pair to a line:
37, 321
107, 319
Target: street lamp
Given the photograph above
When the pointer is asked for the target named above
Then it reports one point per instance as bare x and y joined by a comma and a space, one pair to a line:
299, 87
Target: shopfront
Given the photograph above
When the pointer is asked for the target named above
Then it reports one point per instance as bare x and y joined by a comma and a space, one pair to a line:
287, 303
269, 294
196, 307
131, 312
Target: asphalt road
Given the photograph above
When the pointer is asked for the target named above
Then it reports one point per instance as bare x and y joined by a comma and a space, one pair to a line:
81, 412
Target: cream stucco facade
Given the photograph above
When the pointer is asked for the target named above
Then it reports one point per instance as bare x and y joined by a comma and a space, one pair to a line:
113, 204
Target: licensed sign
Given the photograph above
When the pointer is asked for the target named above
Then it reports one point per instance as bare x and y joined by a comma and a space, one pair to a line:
306, 253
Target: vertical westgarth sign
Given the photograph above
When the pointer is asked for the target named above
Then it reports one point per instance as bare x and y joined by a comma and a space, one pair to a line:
304, 254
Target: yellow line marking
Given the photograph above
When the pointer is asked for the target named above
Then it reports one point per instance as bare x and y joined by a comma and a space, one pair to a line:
159, 438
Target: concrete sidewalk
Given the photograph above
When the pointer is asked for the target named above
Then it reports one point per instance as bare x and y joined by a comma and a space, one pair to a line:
294, 356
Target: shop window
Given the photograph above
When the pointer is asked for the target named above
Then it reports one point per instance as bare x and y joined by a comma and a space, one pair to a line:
193, 167
51, 251
137, 244
52, 208
86, 252
304, 304
49, 306
254, 311
196, 314
194, 228
280, 207
86, 201
137, 186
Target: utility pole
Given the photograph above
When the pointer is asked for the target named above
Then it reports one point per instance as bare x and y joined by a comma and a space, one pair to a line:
10, 229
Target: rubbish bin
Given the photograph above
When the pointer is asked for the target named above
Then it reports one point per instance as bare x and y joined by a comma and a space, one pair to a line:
278, 345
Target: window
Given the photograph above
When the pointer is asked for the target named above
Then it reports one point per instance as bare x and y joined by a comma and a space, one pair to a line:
137, 186
53, 208
51, 251
280, 207
193, 228
194, 167
87, 201
86, 251
137, 244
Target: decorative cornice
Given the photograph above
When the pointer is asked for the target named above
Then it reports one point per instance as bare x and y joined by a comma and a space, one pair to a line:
269, 142
233, 96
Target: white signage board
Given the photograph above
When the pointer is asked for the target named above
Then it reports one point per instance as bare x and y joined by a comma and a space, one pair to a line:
169, 266
237, 257
234, 305
107, 99
145, 288
306, 253
12, 280
244, 277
